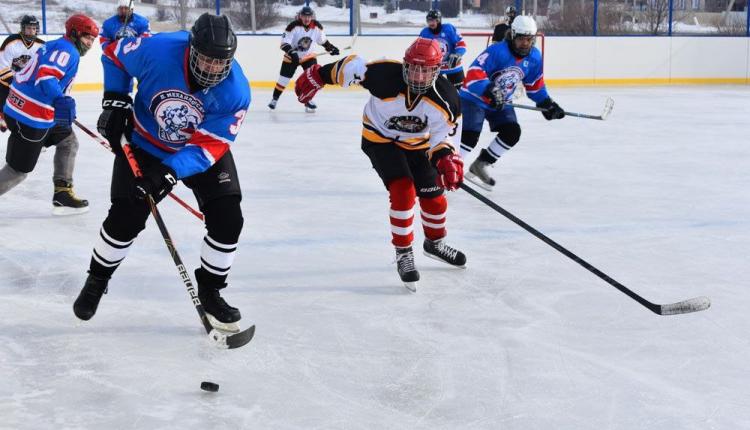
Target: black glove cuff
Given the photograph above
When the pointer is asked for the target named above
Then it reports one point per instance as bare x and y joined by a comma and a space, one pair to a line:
545, 104
115, 100
286, 48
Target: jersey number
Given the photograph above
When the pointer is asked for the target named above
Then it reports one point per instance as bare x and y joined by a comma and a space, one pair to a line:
482, 58
235, 128
61, 58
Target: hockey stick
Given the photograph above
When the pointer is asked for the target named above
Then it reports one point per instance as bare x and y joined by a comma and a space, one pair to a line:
102, 141
609, 104
686, 306
222, 340
320, 54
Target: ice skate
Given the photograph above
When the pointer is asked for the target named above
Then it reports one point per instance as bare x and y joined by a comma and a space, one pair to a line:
221, 316
65, 202
272, 104
441, 251
478, 174
310, 107
89, 297
406, 269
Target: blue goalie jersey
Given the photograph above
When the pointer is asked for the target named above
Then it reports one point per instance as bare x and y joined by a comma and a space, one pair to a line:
498, 66
188, 131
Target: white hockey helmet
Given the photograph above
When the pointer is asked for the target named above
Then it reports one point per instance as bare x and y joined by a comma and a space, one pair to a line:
523, 26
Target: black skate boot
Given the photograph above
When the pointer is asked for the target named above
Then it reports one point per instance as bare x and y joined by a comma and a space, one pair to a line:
478, 173
310, 107
272, 104
406, 269
221, 316
65, 202
441, 251
88, 300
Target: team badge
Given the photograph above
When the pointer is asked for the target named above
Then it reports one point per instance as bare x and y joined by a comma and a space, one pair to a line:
507, 80
178, 115
304, 44
407, 124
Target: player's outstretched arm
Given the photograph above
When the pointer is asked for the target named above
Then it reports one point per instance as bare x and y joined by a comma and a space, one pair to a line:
345, 72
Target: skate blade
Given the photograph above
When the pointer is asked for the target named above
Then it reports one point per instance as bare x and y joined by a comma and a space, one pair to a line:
478, 182
66, 210
411, 286
434, 257
222, 326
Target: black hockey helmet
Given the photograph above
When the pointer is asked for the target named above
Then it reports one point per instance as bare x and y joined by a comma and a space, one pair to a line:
306, 11
212, 47
435, 14
29, 21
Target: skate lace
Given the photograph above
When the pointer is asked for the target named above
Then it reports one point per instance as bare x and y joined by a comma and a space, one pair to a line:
405, 262
446, 250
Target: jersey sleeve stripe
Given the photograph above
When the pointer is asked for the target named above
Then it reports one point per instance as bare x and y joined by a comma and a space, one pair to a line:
46, 70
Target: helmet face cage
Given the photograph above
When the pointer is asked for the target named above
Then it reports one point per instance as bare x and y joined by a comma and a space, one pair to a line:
523, 26
208, 71
420, 78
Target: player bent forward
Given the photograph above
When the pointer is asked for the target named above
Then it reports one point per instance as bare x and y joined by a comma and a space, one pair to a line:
407, 129
191, 99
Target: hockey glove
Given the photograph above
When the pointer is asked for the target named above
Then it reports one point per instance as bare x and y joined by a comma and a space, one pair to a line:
453, 60
308, 84
551, 109
450, 169
494, 97
115, 120
65, 111
156, 182
331, 48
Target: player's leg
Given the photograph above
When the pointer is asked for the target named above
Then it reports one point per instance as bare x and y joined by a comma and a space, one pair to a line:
22, 153
288, 66
310, 106
64, 201
434, 210
508, 132
218, 193
456, 78
125, 220
393, 168
471, 126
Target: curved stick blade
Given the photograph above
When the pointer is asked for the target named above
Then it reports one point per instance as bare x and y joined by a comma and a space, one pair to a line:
695, 304
608, 106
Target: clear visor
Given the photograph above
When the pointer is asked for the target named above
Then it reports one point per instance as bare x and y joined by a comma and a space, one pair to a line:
420, 78
208, 71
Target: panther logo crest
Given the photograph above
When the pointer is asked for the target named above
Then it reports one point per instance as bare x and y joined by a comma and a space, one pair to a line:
407, 124
304, 44
178, 115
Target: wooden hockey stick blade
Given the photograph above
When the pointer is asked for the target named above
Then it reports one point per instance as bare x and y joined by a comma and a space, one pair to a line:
695, 304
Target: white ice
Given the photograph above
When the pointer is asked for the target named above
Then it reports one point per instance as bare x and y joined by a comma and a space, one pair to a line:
656, 197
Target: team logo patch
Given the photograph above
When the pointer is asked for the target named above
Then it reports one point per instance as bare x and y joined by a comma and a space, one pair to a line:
507, 80
19, 62
407, 124
304, 44
178, 115
224, 177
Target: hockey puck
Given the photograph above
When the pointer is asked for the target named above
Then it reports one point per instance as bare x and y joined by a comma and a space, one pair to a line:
209, 386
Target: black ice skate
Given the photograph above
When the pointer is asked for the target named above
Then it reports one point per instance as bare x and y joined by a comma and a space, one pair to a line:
91, 293
221, 316
65, 202
479, 175
272, 104
310, 107
441, 251
406, 269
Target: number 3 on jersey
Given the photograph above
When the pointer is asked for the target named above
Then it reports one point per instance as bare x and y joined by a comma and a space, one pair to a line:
235, 127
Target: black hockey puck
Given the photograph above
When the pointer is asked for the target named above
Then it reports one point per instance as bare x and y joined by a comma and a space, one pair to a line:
209, 386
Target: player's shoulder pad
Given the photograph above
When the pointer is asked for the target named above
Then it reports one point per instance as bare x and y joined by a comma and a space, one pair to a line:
384, 78
318, 24
9, 39
446, 97
291, 25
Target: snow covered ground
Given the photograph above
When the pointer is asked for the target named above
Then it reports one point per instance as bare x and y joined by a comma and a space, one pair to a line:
657, 197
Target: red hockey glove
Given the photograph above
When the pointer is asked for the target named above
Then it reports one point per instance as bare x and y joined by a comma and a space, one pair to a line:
308, 84
450, 171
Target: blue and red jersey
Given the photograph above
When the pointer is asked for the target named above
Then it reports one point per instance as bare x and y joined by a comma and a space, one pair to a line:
48, 75
137, 26
498, 66
188, 131
450, 41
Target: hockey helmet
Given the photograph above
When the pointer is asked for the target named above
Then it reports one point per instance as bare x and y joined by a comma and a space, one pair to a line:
422, 64
523, 35
29, 22
80, 25
212, 47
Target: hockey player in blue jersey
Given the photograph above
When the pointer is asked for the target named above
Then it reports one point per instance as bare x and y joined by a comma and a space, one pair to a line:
191, 100
490, 83
39, 113
451, 43
125, 24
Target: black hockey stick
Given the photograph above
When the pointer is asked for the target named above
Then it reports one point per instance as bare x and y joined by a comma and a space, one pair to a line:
686, 306
609, 104
103, 142
222, 340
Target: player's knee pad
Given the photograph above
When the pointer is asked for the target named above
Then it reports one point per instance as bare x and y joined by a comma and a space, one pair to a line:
22, 154
469, 138
402, 193
509, 133
224, 219
126, 218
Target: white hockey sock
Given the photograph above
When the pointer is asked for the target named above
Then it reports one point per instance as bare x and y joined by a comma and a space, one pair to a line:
110, 252
217, 257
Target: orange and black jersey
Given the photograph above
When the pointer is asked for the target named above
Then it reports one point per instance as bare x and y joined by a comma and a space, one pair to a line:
395, 115
15, 52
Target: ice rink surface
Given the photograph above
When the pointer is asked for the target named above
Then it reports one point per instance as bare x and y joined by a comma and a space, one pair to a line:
658, 197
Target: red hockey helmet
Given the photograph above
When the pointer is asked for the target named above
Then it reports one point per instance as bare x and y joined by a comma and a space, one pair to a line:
80, 25
422, 64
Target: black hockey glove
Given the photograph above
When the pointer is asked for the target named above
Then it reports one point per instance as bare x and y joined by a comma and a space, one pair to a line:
551, 109
333, 50
495, 96
157, 182
291, 52
115, 121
